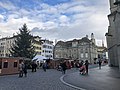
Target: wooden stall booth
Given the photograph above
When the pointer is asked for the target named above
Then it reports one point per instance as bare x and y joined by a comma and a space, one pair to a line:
9, 65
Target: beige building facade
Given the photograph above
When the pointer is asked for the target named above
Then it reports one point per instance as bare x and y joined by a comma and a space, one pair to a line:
38, 45
77, 49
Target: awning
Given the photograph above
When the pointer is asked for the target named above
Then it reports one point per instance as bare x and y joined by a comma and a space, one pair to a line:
39, 58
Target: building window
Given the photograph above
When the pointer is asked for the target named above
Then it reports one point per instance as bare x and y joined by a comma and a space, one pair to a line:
15, 64
5, 65
81, 55
86, 55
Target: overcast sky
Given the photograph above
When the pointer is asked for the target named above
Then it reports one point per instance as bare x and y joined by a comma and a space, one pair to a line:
55, 19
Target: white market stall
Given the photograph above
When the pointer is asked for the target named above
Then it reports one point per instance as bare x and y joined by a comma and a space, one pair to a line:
39, 58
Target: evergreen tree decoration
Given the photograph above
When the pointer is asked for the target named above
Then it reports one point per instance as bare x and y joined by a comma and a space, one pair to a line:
23, 46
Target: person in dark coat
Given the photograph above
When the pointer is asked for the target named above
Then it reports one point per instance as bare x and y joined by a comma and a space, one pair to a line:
25, 69
45, 66
34, 66
64, 67
99, 63
86, 66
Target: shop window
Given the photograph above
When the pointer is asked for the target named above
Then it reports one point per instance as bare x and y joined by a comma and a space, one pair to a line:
15, 64
5, 65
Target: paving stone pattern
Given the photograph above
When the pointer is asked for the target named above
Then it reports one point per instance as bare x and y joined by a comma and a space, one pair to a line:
39, 80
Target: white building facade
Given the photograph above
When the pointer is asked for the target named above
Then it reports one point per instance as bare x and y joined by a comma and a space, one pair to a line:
47, 49
5, 46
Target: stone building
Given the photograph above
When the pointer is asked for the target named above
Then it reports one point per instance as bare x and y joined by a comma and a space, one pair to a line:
77, 49
113, 34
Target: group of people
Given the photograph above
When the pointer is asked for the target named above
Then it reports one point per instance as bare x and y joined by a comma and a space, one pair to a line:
22, 69
34, 65
83, 67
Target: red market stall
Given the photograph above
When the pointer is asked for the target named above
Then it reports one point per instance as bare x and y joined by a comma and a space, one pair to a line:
9, 65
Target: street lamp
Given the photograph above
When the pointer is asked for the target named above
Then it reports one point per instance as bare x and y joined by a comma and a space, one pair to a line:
108, 35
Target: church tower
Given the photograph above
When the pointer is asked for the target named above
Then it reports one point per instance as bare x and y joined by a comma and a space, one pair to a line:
92, 38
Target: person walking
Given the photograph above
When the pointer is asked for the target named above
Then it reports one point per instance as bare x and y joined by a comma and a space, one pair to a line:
86, 66
45, 66
25, 69
64, 67
21, 66
99, 63
34, 66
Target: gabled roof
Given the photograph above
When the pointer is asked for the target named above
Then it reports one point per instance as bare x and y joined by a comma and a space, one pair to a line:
85, 39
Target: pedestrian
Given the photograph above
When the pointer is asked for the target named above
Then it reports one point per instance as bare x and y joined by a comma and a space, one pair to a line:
77, 65
81, 63
38, 65
99, 63
86, 66
35, 66
21, 66
32, 66
64, 67
44, 66
25, 69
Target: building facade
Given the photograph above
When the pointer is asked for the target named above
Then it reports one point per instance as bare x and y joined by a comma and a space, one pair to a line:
37, 45
47, 49
81, 49
113, 34
5, 45
42, 47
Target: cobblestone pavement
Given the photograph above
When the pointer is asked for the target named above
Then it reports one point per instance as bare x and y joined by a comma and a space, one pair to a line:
39, 80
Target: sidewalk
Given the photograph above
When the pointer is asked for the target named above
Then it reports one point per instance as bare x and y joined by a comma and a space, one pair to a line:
106, 78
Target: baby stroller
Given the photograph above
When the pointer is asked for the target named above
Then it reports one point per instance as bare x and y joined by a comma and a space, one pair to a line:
82, 70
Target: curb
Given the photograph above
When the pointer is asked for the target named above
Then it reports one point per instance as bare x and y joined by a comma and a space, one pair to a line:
70, 85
